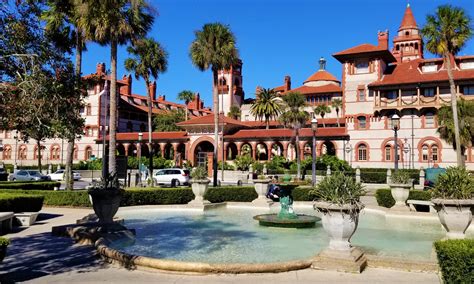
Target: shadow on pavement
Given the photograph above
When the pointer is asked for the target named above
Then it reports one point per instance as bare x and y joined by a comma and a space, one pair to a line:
42, 254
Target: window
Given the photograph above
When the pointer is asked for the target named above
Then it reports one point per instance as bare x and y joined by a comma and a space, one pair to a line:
424, 153
41, 152
391, 95
429, 120
55, 152
88, 153
429, 92
434, 153
468, 90
362, 153
75, 153
362, 122
361, 95
362, 67
8, 134
7, 152
22, 152
388, 153
88, 109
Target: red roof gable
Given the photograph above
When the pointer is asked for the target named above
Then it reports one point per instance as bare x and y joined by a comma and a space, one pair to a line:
321, 75
408, 21
364, 50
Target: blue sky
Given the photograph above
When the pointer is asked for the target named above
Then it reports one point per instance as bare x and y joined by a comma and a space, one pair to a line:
274, 37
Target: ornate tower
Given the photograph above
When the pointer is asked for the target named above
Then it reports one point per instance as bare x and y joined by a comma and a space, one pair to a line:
408, 45
229, 88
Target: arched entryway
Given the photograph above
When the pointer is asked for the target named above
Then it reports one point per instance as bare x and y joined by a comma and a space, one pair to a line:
277, 149
261, 152
169, 152
201, 152
328, 148
120, 150
231, 151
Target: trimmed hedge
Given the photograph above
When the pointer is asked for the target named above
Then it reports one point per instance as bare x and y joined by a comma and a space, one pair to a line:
37, 185
385, 199
20, 202
156, 196
456, 260
302, 193
231, 193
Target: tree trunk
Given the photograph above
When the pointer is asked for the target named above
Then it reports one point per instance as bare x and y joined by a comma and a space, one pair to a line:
267, 120
297, 151
38, 145
457, 137
216, 126
113, 107
150, 132
186, 114
70, 144
322, 118
337, 115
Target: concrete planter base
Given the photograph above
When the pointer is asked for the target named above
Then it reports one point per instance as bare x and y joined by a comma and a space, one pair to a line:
199, 188
400, 193
455, 216
352, 260
26, 219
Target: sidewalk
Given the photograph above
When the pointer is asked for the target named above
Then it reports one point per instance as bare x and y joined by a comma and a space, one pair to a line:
35, 256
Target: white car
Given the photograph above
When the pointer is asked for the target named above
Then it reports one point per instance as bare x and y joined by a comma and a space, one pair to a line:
173, 177
59, 175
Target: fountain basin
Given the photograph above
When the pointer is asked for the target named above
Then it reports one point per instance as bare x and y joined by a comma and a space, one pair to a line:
272, 220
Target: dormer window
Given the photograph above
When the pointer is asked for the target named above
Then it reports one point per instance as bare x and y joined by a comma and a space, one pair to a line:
362, 67
429, 92
429, 67
468, 90
467, 64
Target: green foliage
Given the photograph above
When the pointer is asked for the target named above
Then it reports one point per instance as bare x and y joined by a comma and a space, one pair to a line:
108, 183
230, 193
155, 196
466, 123
17, 202
303, 193
4, 242
384, 196
166, 121
400, 177
456, 260
277, 163
333, 162
88, 165
243, 162
267, 105
257, 167
339, 189
227, 166
199, 173
321, 110
234, 112
38, 185
373, 177
456, 183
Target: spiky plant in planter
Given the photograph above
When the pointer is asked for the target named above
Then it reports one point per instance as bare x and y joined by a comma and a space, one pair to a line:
3, 248
453, 199
199, 185
105, 196
400, 186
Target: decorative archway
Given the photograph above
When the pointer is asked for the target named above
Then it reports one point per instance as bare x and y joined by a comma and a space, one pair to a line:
277, 149
231, 151
291, 152
201, 152
327, 148
169, 152
132, 150
307, 150
120, 150
261, 152
246, 149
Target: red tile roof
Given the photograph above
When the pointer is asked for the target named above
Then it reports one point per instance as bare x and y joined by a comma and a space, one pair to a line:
262, 124
284, 132
209, 120
321, 75
279, 88
133, 136
363, 50
410, 73
307, 90
408, 21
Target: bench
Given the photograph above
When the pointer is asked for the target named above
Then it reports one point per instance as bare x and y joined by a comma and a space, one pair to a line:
412, 203
6, 222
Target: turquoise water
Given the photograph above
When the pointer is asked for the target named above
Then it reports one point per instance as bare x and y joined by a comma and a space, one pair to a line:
232, 236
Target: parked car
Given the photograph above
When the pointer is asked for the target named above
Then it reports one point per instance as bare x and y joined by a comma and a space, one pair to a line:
28, 175
3, 174
59, 175
173, 177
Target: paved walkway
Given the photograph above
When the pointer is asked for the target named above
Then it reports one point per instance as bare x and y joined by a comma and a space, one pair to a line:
35, 256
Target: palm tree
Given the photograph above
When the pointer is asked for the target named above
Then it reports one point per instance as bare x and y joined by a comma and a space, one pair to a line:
266, 106
114, 22
186, 96
214, 47
445, 34
466, 123
59, 17
295, 117
234, 112
148, 60
337, 105
321, 110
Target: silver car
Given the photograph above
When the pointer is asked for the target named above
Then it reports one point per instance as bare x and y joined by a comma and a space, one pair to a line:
28, 175
173, 177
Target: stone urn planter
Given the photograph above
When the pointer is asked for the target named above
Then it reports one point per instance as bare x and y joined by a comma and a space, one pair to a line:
261, 187
400, 194
455, 215
106, 203
199, 187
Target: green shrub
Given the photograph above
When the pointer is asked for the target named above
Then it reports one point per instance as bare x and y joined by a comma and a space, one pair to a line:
257, 167
456, 260
385, 199
243, 162
38, 185
456, 183
227, 166
373, 177
400, 177
302, 193
20, 202
199, 173
231, 193
156, 196
339, 189
4, 241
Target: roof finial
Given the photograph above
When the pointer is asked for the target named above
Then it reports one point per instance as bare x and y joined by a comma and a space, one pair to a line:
322, 63
408, 4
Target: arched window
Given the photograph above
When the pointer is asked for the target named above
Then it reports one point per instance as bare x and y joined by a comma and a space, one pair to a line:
362, 152
362, 122
88, 109
88, 153
55, 152
434, 153
424, 153
22, 151
75, 153
237, 82
36, 153
429, 120
388, 153
222, 81
7, 152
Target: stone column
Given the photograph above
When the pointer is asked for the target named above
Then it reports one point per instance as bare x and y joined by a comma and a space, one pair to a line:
269, 145
239, 146
285, 149
254, 150
389, 176
422, 177
328, 171
358, 174
226, 144
175, 150
125, 146
162, 148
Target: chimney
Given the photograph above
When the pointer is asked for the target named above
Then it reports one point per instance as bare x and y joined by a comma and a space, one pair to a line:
383, 39
100, 68
152, 93
258, 89
126, 89
161, 98
287, 83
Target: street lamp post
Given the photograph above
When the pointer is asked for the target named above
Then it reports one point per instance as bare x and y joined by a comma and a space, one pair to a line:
314, 127
396, 127
348, 150
139, 154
